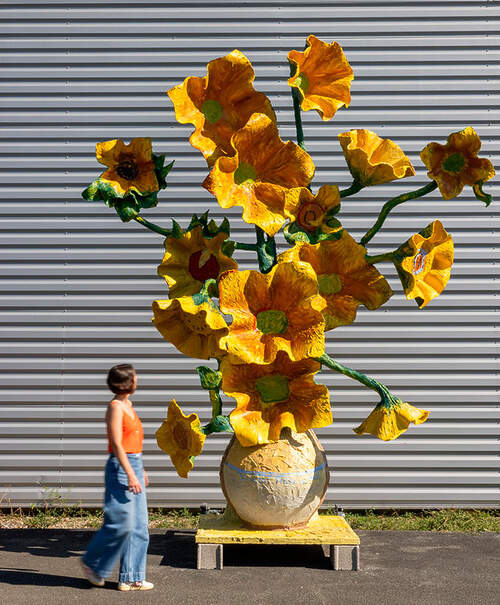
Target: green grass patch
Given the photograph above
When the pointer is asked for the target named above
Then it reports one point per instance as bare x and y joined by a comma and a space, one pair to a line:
50, 516
440, 520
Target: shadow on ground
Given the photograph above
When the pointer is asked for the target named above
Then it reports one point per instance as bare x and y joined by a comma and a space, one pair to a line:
179, 550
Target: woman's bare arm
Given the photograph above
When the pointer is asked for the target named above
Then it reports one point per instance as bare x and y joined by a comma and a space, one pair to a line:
114, 420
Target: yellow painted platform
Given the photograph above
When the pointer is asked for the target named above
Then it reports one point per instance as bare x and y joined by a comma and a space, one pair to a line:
325, 529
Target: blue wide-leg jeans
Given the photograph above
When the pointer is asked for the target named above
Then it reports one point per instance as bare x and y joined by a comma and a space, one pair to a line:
124, 534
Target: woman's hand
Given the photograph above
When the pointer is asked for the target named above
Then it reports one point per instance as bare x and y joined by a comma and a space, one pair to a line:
134, 484
146, 479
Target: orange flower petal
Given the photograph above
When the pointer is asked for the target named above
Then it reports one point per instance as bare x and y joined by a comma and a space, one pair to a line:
373, 160
323, 76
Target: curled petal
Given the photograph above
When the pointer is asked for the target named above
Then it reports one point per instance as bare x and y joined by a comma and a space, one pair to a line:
373, 160
388, 422
424, 263
323, 76
195, 329
180, 437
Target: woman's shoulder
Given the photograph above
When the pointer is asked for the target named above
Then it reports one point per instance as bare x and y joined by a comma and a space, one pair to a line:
115, 406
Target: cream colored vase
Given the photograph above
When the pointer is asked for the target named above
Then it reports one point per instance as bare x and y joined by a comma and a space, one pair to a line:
277, 485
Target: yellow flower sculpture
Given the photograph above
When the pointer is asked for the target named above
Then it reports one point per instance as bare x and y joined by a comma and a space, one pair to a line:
260, 174
219, 104
310, 211
130, 167
373, 160
280, 311
191, 259
271, 397
388, 421
424, 263
181, 438
323, 77
344, 277
194, 328
456, 164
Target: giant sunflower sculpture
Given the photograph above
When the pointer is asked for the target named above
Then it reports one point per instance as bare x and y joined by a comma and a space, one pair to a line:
265, 328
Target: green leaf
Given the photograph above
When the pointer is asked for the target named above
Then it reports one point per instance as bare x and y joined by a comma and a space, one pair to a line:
195, 222
161, 171
212, 227
225, 226
209, 379
92, 193
228, 247
177, 231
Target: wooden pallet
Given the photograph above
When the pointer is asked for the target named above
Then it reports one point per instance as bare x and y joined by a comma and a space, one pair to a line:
333, 533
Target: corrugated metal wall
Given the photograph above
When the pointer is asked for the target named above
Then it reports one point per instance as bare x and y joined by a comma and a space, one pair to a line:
78, 284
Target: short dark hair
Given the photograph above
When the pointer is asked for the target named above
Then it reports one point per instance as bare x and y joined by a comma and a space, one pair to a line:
121, 378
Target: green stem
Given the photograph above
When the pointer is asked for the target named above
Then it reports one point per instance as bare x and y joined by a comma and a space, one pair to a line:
296, 109
216, 402
266, 260
271, 248
149, 225
388, 206
354, 188
371, 383
243, 246
379, 258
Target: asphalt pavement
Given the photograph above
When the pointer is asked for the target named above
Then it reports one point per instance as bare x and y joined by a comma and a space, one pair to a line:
41, 567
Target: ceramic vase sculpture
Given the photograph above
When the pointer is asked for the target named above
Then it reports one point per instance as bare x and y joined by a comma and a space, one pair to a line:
276, 485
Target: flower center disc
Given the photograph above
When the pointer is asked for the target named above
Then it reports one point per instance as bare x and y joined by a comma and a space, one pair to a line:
181, 436
302, 82
272, 388
329, 283
272, 322
310, 216
203, 270
212, 110
127, 169
454, 162
418, 263
244, 172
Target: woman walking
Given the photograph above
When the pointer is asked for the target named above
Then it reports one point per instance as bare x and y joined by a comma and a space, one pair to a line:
124, 534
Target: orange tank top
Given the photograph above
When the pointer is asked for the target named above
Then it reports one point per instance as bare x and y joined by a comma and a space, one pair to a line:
132, 434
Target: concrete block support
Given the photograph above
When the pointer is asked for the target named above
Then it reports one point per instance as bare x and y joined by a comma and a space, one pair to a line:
210, 556
344, 557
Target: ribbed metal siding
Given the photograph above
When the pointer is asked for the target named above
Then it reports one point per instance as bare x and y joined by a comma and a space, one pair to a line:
78, 284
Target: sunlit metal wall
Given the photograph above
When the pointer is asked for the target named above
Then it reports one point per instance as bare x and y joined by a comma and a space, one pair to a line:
77, 284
